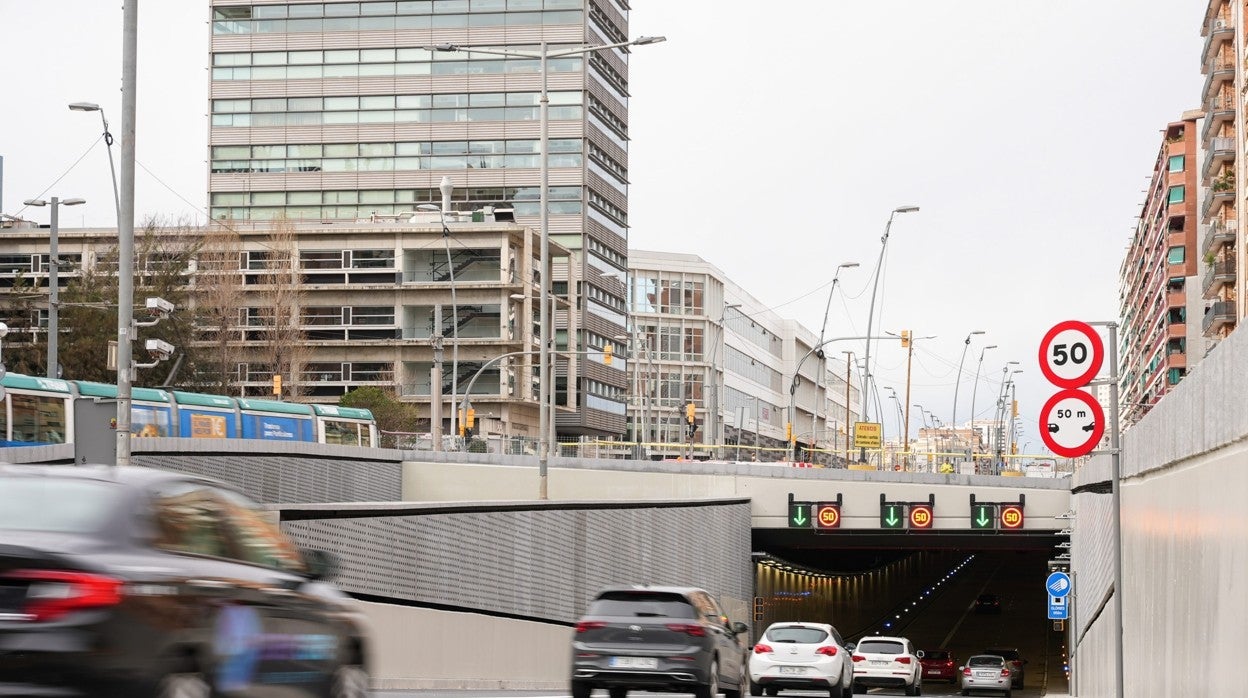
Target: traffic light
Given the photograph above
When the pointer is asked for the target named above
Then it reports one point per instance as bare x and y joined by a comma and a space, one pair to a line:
693, 428
691, 411
905, 339
277, 384
472, 417
607, 352
1015, 408
788, 432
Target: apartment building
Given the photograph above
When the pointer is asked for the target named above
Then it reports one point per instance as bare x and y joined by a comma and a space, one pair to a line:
366, 299
346, 110
1223, 132
1158, 305
697, 337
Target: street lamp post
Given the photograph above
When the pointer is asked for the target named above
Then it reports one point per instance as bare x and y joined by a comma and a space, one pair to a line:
715, 420
823, 327
866, 403
1002, 405
544, 54
956, 386
445, 187
974, 390
108, 142
54, 282
797, 376
125, 228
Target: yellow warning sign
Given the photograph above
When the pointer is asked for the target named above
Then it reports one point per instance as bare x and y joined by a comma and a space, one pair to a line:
867, 434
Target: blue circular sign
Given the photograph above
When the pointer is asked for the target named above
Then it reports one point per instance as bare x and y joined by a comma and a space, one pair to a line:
1058, 584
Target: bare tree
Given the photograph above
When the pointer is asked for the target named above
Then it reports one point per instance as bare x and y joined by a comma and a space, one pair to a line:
218, 296
280, 294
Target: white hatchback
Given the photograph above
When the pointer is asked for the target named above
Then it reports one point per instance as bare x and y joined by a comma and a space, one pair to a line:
803, 656
890, 662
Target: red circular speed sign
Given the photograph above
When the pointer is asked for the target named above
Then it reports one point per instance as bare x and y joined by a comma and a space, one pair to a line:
1071, 354
1072, 423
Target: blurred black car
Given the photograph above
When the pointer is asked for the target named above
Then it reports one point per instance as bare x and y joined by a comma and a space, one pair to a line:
141, 582
658, 639
987, 603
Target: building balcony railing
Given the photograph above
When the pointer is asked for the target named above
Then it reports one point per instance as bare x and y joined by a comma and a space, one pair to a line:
1219, 32
1217, 315
1217, 234
1223, 71
1218, 110
1221, 151
1214, 200
1176, 299
1219, 273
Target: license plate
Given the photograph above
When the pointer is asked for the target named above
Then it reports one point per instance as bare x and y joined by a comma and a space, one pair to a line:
933, 671
879, 662
635, 662
792, 670
985, 675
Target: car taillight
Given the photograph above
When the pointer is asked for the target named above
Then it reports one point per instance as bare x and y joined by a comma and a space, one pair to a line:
948, 662
857, 657
760, 648
966, 671
829, 650
902, 660
54, 593
688, 628
589, 625
1005, 672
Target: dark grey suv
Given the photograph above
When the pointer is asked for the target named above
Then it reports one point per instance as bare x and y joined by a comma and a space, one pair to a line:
658, 639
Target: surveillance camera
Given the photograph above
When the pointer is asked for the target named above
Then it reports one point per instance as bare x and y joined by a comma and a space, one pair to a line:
159, 350
159, 307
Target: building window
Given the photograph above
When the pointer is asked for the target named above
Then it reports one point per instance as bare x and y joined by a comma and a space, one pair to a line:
1176, 163
1174, 375
1176, 255
1176, 195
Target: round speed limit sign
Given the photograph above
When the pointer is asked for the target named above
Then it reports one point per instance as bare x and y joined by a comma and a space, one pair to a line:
1071, 354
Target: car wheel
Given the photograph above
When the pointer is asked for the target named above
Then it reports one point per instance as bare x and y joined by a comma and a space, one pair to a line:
580, 689
755, 689
350, 681
856, 688
847, 690
912, 689
710, 689
773, 691
966, 692
617, 692
189, 685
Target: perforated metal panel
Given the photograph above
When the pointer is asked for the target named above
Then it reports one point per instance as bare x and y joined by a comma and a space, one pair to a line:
291, 479
543, 564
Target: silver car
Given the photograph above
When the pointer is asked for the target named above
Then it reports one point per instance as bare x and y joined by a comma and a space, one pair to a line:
987, 672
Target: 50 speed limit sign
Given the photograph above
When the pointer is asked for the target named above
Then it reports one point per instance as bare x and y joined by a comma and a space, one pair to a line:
1071, 354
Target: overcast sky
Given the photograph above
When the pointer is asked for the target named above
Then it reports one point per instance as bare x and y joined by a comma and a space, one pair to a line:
772, 139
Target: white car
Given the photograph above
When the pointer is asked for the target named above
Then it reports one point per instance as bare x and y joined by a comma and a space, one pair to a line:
890, 662
803, 656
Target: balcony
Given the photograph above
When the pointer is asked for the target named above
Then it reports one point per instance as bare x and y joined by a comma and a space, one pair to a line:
1220, 273
1219, 110
1219, 31
1176, 298
1214, 200
1221, 152
1223, 72
1217, 234
1217, 316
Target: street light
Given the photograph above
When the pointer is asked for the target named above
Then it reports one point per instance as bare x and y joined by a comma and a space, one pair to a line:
544, 54
797, 376
956, 386
866, 403
814, 416
445, 187
975, 389
108, 142
54, 282
715, 420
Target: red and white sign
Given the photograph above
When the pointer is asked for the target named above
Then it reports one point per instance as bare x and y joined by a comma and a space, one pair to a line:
1012, 517
1071, 354
827, 516
1072, 423
921, 516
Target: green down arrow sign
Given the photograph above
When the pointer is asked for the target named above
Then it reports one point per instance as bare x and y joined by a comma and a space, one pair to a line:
892, 516
983, 516
799, 516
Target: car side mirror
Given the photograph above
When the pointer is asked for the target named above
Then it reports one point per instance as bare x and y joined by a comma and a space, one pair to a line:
740, 628
961, 668
850, 646
321, 565
920, 654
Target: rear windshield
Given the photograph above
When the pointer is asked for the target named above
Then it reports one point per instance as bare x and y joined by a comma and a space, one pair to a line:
985, 661
55, 505
809, 636
879, 647
935, 654
643, 604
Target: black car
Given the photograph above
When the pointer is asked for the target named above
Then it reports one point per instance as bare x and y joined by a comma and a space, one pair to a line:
141, 582
658, 639
988, 603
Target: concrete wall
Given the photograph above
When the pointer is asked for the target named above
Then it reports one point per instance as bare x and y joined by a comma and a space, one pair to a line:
1184, 536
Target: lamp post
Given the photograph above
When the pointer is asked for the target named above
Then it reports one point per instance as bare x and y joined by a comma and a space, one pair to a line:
54, 282
974, 390
544, 54
715, 420
965, 345
823, 327
866, 403
797, 376
125, 229
1002, 405
445, 187
108, 142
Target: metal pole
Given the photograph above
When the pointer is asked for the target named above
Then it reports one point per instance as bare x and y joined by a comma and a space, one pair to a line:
849, 355
866, 402
446, 240
544, 384
54, 285
1116, 477
974, 390
435, 381
125, 227
906, 433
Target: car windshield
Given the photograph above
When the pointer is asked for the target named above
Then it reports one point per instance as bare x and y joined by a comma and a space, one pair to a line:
985, 662
55, 505
879, 647
935, 655
641, 604
797, 634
